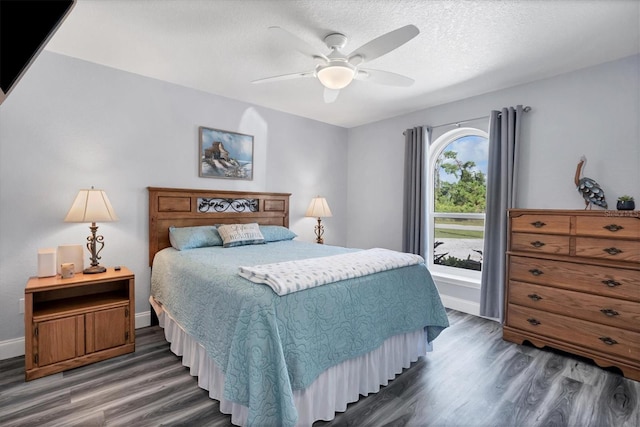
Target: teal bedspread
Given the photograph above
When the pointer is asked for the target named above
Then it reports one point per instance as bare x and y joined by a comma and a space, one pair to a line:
268, 345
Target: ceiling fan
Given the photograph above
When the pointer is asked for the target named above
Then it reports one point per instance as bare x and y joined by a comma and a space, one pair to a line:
337, 70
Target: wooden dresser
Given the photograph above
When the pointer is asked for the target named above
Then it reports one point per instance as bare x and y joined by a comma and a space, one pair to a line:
573, 283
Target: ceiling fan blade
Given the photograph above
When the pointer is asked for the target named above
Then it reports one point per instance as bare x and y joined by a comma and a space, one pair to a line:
383, 77
385, 43
295, 42
330, 95
301, 74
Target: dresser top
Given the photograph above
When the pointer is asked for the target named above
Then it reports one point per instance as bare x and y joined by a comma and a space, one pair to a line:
576, 212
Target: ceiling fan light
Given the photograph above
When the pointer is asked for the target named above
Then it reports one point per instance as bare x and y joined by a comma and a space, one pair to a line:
336, 76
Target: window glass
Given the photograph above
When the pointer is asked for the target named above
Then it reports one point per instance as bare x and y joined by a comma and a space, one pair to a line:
457, 207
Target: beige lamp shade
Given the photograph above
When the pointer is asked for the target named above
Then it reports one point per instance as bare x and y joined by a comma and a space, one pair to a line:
91, 206
318, 208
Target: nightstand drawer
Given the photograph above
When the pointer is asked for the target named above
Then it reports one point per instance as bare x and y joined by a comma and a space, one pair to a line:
608, 311
618, 250
605, 281
549, 244
553, 224
589, 335
613, 226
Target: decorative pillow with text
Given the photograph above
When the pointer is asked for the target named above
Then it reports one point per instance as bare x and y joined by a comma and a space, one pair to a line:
240, 235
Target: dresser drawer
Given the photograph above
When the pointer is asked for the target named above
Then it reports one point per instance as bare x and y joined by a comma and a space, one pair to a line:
541, 243
618, 250
589, 335
605, 281
608, 311
608, 226
531, 223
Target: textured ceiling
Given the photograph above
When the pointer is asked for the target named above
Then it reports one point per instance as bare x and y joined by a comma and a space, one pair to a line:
464, 48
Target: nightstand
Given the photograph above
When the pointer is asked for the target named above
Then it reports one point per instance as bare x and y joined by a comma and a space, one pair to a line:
76, 321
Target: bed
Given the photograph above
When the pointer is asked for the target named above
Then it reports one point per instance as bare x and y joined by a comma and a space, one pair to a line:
272, 356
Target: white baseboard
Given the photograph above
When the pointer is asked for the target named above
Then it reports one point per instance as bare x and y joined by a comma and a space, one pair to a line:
15, 347
462, 305
11, 348
143, 319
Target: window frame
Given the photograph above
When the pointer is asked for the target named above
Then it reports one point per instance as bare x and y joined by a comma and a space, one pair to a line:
460, 276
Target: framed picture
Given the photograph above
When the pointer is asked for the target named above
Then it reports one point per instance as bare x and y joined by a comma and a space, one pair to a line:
225, 154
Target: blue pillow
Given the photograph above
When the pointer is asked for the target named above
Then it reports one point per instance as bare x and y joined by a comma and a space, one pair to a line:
202, 236
276, 233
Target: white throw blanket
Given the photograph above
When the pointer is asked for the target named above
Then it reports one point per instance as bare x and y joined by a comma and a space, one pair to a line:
291, 276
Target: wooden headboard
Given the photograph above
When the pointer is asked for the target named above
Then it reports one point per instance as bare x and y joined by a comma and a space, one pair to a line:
188, 207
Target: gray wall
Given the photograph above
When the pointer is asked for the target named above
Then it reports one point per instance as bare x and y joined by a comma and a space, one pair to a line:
593, 112
71, 124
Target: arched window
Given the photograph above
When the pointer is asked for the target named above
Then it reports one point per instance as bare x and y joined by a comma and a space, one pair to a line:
456, 185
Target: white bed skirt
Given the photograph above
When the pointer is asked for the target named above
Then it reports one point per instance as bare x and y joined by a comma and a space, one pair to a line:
328, 394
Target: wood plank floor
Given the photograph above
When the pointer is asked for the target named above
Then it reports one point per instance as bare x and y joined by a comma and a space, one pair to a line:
473, 378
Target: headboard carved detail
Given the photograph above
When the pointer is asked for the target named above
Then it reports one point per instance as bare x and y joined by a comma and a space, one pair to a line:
228, 205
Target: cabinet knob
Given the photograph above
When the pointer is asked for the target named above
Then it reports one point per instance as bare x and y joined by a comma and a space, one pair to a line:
537, 244
535, 322
613, 227
535, 297
609, 312
538, 224
613, 251
611, 283
536, 272
608, 341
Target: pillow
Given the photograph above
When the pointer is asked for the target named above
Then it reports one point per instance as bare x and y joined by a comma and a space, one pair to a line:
202, 236
276, 233
240, 234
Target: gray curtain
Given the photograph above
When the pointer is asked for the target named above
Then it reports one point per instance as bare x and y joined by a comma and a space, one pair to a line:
504, 136
414, 227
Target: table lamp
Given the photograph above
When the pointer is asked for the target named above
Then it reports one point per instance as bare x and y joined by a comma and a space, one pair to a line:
318, 208
92, 206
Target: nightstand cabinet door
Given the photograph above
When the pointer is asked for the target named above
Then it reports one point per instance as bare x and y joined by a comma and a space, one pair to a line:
58, 340
107, 329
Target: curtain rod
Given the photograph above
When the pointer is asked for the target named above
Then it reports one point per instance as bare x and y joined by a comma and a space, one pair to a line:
458, 123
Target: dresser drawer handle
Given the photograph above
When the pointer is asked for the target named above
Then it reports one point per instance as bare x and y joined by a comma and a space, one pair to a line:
536, 272
613, 251
609, 312
537, 244
538, 224
535, 322
613, 227
611, 283
608, 341
535, 297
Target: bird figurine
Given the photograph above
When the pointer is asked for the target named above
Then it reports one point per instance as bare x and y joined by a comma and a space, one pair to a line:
590, 190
